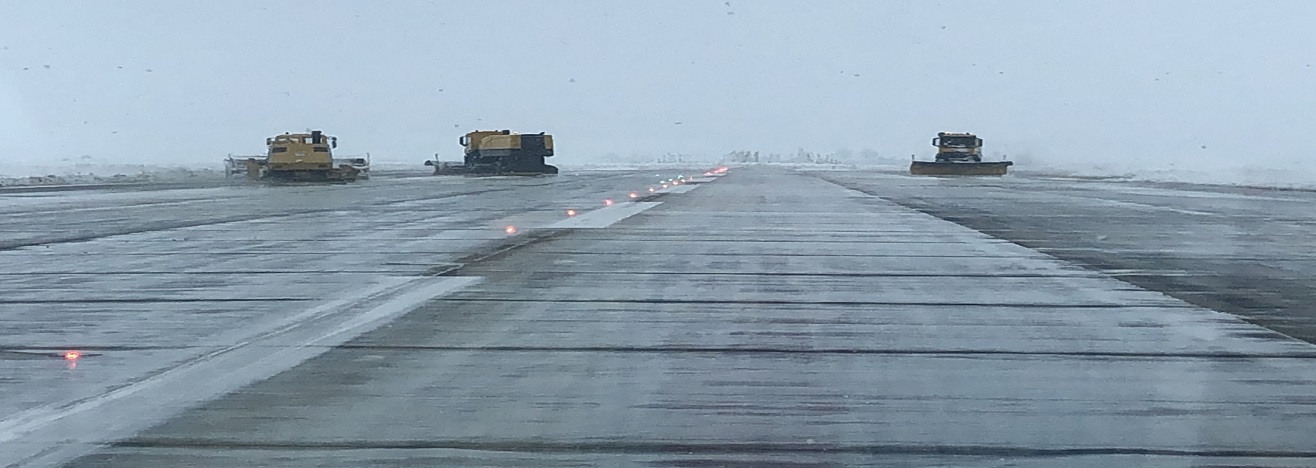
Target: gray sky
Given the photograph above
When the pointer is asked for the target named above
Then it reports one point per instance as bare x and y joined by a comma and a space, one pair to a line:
161, 81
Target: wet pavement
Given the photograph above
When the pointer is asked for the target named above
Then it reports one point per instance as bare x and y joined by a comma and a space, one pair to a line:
1245, 251
765, 318
144, 282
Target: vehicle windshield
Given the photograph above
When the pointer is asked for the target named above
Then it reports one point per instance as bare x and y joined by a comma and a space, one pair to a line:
959, 142
657, 233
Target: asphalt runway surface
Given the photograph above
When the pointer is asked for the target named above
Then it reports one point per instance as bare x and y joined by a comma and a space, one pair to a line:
768, 317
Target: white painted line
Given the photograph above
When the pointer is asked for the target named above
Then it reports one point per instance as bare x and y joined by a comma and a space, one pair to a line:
56, 437
224, 342
604, 217
239, 338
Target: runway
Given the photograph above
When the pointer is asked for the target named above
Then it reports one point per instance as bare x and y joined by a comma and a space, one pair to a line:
768, 317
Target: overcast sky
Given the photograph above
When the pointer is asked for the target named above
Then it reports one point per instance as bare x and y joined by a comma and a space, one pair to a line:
190, 81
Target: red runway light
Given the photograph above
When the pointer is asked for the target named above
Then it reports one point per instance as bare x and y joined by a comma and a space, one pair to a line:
607, 202
571, 212
510, 230
676, 182
633, 195
72, 355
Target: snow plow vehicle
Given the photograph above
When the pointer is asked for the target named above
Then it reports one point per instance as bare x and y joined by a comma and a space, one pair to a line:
237, 165
958, 154
500, 152
299, 157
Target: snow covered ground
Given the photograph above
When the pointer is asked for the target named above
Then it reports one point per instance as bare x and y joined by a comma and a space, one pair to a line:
85, 173
98, 173
1302, 177
1250, 175
1244, 175
577, 167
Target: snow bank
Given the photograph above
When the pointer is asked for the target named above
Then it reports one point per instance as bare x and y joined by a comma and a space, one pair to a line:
392, 165
1244, 175
842, 166
1248, 175
629, 166
87, 173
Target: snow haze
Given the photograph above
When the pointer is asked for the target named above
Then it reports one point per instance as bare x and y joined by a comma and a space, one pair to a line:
1100, 85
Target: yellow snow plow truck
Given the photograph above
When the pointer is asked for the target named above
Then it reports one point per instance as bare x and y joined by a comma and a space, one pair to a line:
958, 154
501, 152
300, 157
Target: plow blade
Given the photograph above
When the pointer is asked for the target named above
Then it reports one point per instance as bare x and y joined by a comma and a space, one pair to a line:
457, 168
959, 168
448, 168
512, 170
344, 173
